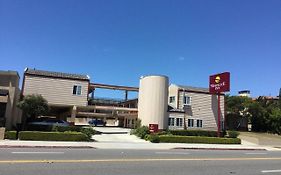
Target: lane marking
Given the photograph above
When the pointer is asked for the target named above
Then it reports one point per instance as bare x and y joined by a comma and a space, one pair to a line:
175, 153
255, 153
134, 160
37, 152
271, 171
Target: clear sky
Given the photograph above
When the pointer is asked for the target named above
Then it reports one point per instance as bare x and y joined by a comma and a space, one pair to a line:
117, 41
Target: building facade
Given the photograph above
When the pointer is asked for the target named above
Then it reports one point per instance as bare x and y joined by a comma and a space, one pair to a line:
56, 87
71, 97
10, 114
194, 108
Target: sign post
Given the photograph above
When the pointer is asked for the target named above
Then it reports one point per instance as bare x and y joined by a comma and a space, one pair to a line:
219, 83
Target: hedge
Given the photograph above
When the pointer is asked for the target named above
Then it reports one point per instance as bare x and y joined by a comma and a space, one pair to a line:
52, 136
154, 138
11, 135
65, 128
87, 131
196, 139
233, 134
195, 133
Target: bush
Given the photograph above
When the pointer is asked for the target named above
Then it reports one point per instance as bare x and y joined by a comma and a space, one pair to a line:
233, 134
141, 132
52, 136
65, 128
196, 139
88, 132
11, 135
154, 138
196, 133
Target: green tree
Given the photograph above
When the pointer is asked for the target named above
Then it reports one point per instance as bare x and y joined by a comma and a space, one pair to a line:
33, 106
236, 111
274, 121
257, 117
279, 99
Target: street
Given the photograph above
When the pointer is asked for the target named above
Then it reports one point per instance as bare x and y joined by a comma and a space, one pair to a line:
42, 161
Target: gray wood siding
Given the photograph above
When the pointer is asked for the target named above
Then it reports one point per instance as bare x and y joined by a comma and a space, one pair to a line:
56, 91
203, 107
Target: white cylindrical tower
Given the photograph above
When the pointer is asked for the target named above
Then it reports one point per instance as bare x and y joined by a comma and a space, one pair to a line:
153, 101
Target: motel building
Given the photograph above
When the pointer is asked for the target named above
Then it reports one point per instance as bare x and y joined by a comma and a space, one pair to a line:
72, 97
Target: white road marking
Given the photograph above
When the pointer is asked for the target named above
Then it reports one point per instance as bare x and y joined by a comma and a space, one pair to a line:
37, 152
271, 171
176, 153
255, 153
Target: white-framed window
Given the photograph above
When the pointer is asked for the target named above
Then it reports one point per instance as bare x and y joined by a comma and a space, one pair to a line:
190, 123
172, 99
171, 121
199, 124
179, 122
186, 100
77, 90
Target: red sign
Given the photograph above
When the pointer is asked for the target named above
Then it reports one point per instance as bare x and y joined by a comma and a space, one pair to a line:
219, 83
153, 128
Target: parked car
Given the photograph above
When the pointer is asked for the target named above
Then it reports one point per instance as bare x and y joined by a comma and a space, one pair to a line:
48, 122
97, 122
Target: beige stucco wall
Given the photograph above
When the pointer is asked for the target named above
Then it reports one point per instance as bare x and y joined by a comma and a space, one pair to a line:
12, 113
56, 91
153, 101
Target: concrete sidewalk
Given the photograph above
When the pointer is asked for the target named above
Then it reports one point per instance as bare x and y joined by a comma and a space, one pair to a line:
131, 145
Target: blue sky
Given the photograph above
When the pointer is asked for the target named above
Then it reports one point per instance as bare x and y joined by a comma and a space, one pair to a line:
117, 41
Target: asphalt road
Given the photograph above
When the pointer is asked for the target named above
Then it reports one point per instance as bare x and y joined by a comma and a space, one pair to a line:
29, 161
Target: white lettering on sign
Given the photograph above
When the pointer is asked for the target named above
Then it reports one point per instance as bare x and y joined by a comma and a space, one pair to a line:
217, 86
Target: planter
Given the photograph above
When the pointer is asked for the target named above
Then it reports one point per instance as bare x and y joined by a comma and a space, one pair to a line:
2, 133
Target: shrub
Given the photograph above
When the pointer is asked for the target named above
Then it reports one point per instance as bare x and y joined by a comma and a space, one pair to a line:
163, 133
154, 138
233, 134
141, 132
88, 132
196, 139
66, 128
195, 133
52, 136
11, 135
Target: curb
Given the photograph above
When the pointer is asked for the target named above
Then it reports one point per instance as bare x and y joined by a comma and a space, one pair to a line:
27, 146
223, 149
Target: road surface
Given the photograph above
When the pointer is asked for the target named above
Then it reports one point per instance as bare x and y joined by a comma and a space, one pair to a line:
42, 161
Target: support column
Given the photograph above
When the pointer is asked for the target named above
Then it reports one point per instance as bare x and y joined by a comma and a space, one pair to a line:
219, 117
73, 115
126, 95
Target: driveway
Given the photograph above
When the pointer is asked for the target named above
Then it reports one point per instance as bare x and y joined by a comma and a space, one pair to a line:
263, 139
116, 135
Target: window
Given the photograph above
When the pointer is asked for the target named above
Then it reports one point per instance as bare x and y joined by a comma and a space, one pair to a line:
172, 99
190, 123
179, 122
77, 90
171, 121
186, 100
199, 123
